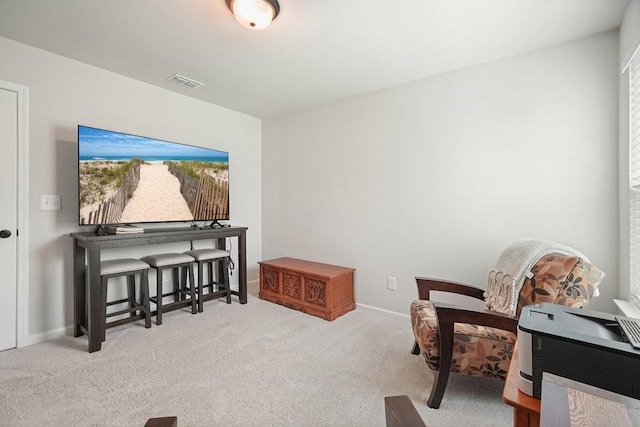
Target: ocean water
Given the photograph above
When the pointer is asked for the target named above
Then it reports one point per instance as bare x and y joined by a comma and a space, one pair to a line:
216, 159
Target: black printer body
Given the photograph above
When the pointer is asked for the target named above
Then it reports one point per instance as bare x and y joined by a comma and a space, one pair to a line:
581, 345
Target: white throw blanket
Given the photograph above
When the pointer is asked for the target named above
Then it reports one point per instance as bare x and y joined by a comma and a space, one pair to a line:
513, 267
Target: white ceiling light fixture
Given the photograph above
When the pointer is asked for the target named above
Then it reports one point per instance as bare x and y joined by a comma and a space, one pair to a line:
254, 14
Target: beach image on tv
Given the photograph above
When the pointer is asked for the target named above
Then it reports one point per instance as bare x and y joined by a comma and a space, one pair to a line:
127, 179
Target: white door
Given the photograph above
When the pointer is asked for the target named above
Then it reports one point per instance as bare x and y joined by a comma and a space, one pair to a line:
8, 218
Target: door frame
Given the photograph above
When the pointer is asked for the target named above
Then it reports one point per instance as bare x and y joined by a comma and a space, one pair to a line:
22, 273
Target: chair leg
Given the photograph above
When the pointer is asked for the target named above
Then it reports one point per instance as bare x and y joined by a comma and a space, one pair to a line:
210, 273
131, 291
104, 309
200, 286
177, 295
227, 282
192, 289
445, 349
159, 296
144, 291
416, 348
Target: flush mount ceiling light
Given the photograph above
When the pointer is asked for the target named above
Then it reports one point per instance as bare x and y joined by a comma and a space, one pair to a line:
254, 14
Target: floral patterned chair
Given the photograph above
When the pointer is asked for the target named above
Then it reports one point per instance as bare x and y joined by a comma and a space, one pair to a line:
480, 342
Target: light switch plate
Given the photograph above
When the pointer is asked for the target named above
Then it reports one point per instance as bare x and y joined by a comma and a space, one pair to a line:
50, 203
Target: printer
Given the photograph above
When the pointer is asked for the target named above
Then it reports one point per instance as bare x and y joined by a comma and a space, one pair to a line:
578, 344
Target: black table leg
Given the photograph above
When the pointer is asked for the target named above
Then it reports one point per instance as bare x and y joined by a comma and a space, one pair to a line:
95, 324
79, 289
242, 266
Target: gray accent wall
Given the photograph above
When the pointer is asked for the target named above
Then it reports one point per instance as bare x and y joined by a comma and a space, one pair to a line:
436, 177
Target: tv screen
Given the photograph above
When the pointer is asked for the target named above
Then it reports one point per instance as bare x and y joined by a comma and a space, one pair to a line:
129, 179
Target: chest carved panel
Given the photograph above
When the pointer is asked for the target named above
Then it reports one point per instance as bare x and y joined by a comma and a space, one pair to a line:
291, 285
271, 278
315, 292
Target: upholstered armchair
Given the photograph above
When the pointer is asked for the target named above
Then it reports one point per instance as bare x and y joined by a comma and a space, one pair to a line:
480, 342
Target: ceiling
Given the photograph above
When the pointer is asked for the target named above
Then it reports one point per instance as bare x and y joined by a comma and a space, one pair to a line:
315, 52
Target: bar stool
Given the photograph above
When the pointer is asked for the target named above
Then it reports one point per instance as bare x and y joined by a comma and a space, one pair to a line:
210, 257
177, 263
129, 267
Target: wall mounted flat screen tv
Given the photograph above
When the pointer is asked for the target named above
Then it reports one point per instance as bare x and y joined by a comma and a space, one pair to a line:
129, 179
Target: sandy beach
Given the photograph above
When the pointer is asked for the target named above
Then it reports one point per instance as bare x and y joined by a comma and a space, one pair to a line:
157, 197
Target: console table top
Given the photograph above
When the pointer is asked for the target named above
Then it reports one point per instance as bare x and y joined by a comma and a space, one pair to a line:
150, 232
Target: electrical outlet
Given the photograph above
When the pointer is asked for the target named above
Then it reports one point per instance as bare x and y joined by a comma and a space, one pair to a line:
391, 283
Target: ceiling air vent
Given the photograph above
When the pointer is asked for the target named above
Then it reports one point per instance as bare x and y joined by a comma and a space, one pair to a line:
185, 81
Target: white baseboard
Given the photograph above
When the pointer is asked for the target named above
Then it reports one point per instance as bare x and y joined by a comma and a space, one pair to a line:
47, 336
68, 330
252, 284
372, 308
254, 287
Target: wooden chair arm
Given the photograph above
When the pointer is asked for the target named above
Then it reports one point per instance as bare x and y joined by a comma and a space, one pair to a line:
447, 315
451, 313
427, 284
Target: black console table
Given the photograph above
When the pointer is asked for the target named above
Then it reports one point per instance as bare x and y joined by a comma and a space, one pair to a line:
87, 248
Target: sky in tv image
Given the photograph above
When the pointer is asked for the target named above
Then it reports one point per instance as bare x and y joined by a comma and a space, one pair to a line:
99, 144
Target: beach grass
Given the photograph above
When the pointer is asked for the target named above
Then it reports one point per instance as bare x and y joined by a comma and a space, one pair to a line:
195, 169
101, 178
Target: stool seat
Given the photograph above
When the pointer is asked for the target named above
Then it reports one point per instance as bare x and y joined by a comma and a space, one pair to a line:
165, 260
207, 254
129, 268
184, 291
120, 266
208, 257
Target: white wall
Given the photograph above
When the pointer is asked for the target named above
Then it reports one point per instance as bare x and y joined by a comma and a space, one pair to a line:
65, 93
629, 40
438, 176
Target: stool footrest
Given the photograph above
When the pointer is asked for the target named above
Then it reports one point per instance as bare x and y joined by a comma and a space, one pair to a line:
123, 321
136, 307
221, 285
120, 301
175, 305
154, 299
214, 295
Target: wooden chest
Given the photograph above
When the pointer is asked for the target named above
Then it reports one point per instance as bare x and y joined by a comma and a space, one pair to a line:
322, 290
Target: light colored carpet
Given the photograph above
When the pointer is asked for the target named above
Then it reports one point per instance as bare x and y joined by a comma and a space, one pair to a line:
257, 364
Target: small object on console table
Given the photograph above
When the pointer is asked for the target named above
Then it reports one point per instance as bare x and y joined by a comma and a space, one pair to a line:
314, 288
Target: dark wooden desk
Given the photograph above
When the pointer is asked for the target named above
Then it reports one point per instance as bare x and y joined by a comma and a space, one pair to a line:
87, 248
526, 409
